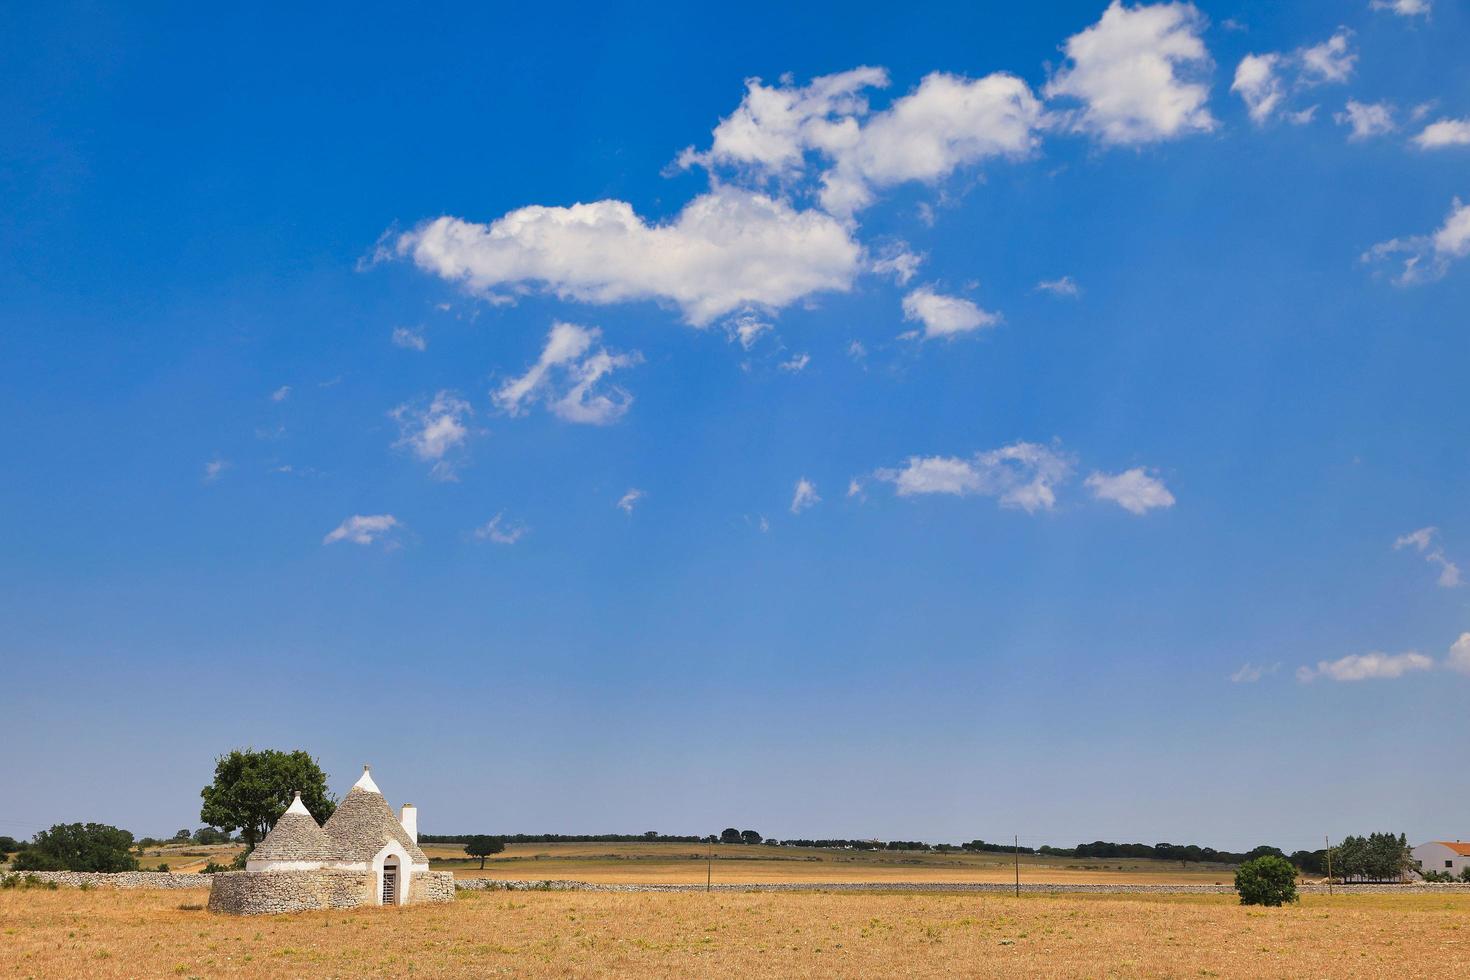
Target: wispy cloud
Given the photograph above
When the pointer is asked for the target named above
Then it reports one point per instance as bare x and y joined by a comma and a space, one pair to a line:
1366, 119
1428, 257
214, 469
363, 529
1366, 666
500, 531
281, 393
795, 364
566, 377
1425, 542
435, 434
805, 496
1249, 673
1023, 475
410, 339
1061, 286
629, 500
945, 316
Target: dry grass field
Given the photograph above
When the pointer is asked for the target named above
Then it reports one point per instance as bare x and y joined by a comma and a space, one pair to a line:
660, 863
103, 934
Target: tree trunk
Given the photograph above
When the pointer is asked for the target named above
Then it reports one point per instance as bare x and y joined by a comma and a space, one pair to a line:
482, 862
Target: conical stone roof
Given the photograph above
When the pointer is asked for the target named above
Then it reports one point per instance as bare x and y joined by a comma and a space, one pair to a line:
363, 823
295, 837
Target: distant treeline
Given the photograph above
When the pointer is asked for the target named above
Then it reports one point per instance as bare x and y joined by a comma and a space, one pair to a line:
566, 838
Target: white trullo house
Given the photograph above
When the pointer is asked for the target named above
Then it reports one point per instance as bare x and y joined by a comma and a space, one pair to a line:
363, 855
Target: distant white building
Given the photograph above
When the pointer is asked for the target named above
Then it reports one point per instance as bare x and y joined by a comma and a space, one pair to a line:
1442, 855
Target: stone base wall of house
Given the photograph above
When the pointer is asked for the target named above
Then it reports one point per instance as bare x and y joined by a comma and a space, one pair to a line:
272, 892
431, 886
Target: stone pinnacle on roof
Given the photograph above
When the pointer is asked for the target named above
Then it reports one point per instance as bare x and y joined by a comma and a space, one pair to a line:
297, 806
366, 782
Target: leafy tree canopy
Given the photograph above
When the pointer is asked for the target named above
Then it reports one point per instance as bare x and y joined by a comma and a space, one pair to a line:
483, 845
252, 789
78, 847
1266, 880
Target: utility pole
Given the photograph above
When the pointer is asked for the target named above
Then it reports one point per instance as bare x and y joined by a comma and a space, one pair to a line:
1016, 846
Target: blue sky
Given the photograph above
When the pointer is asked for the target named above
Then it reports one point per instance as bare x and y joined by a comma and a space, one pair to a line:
937, 422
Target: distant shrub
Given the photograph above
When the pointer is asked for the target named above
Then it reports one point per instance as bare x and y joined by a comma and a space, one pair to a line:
1437, 877
1267, 880
213, 869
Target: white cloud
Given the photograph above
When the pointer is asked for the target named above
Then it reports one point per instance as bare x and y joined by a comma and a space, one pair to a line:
214, 469
900, 263
1023, 474
1064, 286
1366, 666
854, 487
795, 364
857, 351
281, 393
948, 122
434, 434
1134, 490
1367, 119
1404, 8
629, 500
410, 339
774, 127
1424, 542
746, 329
1250, 673
1136, 70
1428, 256
804, 497
1445, 132
1331, 61
1459, 655
566, 375
728, 250
1259, 85
945, 316
500, 533
360, 529
1261, 79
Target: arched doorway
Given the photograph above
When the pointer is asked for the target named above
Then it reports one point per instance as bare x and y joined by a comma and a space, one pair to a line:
390, 881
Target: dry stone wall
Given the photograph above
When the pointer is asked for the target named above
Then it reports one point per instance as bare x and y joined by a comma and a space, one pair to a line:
431, 886
271, 892
120, 879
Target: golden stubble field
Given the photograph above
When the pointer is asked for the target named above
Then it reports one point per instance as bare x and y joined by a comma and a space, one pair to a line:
155, 933
665, 863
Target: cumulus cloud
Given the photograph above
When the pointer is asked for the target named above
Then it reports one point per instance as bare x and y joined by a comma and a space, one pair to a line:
1366, 666
1459, 656
1404, 8
500, 531
1249, 673
434, 433
945, 316
629, 500
1263, 80
805, 496
567, 378
1259, 85
728, 250
782, 132
361, 529
1427, 257
1425, 542
1331, 61
1063, 286
1137, 71
1367, 119
1023, 475
410, 339
281, 393
1445, 132
1134, 490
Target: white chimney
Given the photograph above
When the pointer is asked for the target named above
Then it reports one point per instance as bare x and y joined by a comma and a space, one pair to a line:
410, 821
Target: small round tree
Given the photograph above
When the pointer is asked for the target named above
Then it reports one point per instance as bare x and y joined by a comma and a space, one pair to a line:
482, 846
1268, 880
